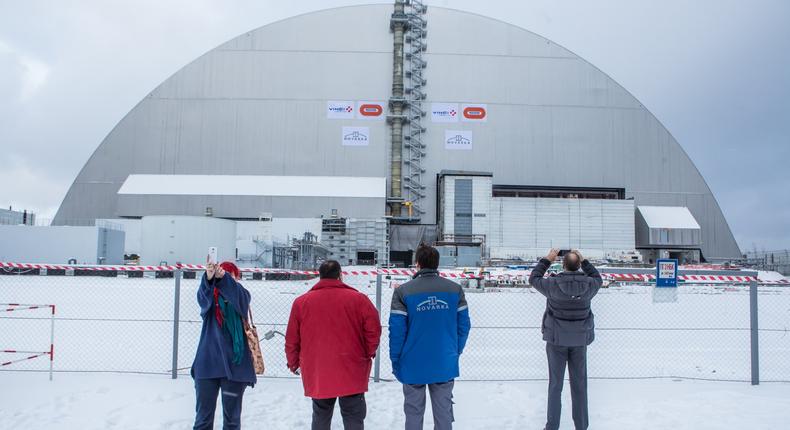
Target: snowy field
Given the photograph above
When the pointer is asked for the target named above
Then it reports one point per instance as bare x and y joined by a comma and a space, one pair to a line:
125, 325
142, 402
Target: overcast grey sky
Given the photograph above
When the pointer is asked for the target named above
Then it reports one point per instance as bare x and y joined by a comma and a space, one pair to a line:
715, 73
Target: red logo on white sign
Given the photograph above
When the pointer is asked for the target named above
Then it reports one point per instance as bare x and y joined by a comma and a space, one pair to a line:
474, 112
371, 110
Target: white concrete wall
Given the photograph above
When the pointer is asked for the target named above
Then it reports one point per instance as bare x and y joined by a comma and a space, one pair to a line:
133, 233
58, 244
186, 239
254, 240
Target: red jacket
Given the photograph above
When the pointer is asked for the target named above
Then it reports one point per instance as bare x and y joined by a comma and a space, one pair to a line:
332, 335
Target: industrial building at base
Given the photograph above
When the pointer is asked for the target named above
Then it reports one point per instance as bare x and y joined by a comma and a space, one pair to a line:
399, 126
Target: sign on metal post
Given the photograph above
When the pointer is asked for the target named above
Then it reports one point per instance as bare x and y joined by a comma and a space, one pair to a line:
667, 273
666, 290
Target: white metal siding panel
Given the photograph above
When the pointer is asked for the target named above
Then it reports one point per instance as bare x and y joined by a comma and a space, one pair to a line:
449, 205
249, 185
481, 199
591, 224
553, 223
618, 225
528, 227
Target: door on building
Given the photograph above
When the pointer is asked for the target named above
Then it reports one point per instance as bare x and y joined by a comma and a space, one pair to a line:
366, 258
401, 258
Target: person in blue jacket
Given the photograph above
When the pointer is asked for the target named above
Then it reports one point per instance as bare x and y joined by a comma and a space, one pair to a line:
429, 324
223, 361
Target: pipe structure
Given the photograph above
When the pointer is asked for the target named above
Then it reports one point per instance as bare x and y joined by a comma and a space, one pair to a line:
398, 26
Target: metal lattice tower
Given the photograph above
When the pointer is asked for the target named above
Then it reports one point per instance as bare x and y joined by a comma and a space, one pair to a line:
414, 72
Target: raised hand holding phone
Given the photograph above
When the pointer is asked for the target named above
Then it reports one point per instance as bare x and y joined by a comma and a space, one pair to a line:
552, 255
210, 268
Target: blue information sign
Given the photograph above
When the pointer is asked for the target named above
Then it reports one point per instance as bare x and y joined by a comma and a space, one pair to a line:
667, 273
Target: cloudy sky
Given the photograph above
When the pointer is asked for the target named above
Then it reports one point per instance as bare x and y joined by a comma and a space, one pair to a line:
716, 73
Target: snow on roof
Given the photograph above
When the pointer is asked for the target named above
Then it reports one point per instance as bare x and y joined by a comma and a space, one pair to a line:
253, 185
668, 217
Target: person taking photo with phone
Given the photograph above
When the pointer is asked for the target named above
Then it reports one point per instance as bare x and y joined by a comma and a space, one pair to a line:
568, 328
223, 362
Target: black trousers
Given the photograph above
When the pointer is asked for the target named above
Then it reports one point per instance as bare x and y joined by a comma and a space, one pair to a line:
207, 391
353, 409
575, 357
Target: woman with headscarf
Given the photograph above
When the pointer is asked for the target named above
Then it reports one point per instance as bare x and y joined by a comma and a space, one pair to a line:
223, 362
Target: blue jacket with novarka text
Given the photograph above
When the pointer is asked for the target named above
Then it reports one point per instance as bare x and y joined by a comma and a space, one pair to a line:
214, 355
429, 324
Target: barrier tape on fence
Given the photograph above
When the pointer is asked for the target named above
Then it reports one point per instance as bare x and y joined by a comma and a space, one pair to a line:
97, 268
621, 277
13, 307
37, 354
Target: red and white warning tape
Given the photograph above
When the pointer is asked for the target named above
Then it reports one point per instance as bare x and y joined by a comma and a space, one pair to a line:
407, 272
23, 307
36, 355
687, 278
26, 307
12, 307
399, 272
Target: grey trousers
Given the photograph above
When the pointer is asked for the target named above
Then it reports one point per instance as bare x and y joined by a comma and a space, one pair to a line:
575, 357
441, 404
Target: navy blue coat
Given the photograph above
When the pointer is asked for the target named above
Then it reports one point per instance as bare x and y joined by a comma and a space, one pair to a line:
215, 350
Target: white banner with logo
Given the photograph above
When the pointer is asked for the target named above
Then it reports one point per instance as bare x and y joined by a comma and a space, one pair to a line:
444, 112
336, 109
370, 110
474, 112
458, 139
356, 136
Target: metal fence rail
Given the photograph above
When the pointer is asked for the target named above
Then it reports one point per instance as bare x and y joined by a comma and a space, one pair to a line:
150, 323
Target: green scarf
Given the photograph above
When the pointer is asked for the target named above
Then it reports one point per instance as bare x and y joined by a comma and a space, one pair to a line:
233, 328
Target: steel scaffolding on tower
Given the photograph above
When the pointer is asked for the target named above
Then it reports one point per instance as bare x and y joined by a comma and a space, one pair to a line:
414, 71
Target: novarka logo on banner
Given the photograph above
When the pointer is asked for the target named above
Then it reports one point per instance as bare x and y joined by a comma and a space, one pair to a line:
458, 139
356, 136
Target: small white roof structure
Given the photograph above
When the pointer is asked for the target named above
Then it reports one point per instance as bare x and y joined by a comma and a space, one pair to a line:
669, 217
255, 185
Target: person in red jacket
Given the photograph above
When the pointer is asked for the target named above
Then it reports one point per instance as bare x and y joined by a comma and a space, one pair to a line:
332, 336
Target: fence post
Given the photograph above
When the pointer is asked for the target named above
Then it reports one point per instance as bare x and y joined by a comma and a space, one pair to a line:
377, 360
51, 341
176, 311
753, 314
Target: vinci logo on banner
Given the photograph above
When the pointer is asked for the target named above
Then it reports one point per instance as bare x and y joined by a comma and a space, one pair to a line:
474, 113
339, 110
444, 112
370, 110
458, 139
356, 136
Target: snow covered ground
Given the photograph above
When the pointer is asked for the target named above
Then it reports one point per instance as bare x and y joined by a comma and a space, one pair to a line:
110, 401
125, 325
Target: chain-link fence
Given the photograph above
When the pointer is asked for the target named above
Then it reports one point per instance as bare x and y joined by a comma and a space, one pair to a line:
125, 323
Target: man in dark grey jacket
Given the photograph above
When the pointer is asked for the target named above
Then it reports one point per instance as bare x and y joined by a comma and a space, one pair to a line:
568, 327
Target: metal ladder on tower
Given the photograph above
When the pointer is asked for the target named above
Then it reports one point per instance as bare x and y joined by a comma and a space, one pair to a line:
415, 96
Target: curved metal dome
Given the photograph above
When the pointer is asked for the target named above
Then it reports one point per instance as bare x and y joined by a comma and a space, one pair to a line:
256, 106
